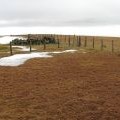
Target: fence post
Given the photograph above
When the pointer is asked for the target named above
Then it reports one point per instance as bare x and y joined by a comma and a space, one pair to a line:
112, 46
44, 44
11, 48
79, 41
69, 41
41, 37
54, 36
58, 43
93, 42
85, 45
65, 40
30, 42
86, 41
30, 46
101, 44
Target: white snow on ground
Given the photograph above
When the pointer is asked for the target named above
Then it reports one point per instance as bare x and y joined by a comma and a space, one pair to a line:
66, 51
6, 39
57, 52
18, 59
23, 48
71, 51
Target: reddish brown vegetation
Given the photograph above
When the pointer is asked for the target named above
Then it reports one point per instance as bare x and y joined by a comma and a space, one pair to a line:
66, 87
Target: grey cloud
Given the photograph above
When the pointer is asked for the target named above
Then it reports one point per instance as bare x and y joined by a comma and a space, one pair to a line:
59, 12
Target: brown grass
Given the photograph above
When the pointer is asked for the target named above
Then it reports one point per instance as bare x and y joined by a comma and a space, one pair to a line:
66, 87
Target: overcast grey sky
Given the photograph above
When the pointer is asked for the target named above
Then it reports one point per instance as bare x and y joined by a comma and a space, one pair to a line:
59, 12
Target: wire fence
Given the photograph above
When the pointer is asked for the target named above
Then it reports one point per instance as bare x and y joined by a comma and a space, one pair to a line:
52, 42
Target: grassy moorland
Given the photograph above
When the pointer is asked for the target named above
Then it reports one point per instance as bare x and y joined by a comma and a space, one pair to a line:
71, 42
78, 86
72, 86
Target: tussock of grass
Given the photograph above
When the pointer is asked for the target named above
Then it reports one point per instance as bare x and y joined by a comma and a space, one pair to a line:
4, 48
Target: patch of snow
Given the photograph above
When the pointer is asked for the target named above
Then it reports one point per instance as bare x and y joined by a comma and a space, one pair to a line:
66, 51
7, 39
71, 51
18, 59
57, 52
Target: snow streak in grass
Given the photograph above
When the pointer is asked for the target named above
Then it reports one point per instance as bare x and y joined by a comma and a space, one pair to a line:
18, 59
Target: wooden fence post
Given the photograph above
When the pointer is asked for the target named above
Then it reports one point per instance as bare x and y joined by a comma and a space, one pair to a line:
30, 42
93, 42
85, 44
44, 44
30, 46
54, 36
11, 48
79, 41
58, 43
69, 41
41, 37
66, 39
101, 44
112, 46
77, 38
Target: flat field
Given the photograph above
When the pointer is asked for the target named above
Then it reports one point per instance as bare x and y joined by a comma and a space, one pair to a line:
70, 86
